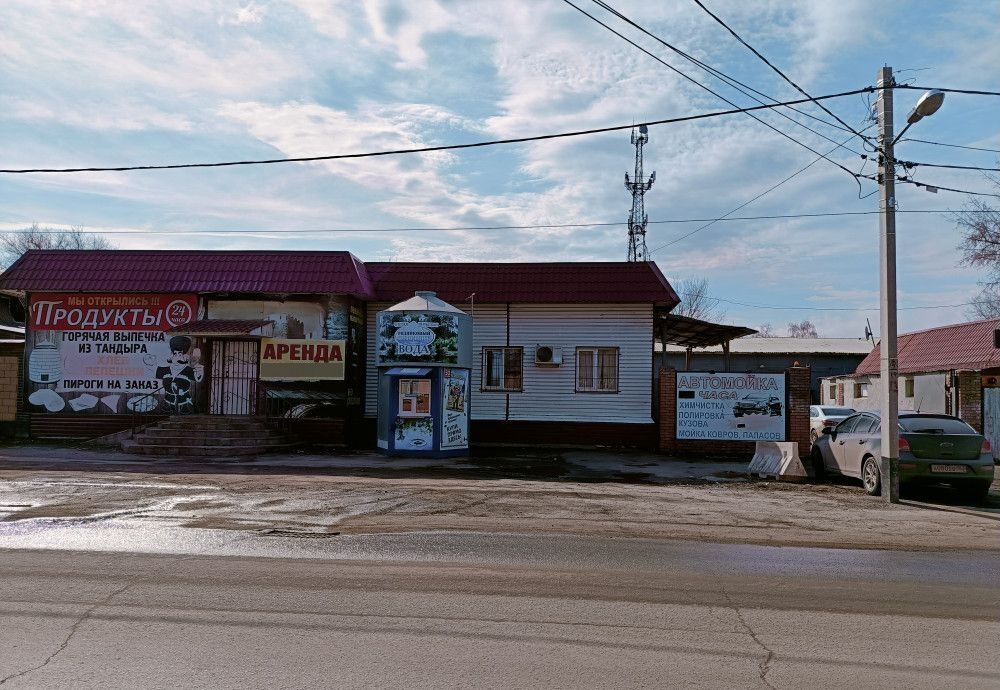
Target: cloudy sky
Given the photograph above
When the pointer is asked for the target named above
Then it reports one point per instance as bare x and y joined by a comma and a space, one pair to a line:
92, 83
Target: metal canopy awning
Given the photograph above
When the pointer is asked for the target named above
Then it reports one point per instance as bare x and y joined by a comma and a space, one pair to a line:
685, 331
409, 371
226, 328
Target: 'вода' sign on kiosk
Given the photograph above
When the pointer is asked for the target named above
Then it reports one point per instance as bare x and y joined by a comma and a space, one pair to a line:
424, 359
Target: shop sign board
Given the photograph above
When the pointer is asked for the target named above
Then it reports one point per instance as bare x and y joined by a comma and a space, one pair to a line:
416, 337
284, 359
107, 353
455, 409
730, 407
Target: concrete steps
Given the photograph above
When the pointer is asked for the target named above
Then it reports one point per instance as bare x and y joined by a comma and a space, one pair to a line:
206, 436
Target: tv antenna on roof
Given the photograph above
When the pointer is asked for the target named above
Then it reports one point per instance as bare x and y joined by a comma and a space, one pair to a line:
868, 331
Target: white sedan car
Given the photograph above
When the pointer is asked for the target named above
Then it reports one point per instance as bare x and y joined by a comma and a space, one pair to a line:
825, 417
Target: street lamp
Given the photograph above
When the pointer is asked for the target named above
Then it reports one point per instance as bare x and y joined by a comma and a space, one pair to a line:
889, 364
925, 107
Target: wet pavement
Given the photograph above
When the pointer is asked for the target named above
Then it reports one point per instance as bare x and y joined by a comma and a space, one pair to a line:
497, 463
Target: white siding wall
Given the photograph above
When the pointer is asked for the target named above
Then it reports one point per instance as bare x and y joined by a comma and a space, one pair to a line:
549, 392
489, 327
929, 393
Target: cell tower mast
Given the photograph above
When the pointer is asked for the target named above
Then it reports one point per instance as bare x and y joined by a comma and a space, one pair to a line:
638, 186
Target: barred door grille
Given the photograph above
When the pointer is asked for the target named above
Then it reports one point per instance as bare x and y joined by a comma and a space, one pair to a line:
234, 377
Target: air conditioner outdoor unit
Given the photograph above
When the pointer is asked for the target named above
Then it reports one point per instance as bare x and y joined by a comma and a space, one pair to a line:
546, 355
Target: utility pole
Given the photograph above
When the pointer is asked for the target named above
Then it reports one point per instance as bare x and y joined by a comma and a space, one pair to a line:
638, 186
889, 369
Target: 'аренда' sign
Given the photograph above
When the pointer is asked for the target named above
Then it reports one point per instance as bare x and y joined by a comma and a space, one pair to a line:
730, 407
283, 359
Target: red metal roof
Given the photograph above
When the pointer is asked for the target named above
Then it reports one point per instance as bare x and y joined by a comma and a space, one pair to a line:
961, 346
334, 273
538, 283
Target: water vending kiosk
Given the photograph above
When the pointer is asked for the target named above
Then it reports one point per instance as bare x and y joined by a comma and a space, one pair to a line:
424, 359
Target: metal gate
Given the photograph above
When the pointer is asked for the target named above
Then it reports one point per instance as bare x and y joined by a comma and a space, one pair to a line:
991, 418
233, 386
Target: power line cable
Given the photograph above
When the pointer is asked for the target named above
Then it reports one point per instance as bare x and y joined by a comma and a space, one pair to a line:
468, 228
813, 308
954, 146
915, 164
444, 147
727, 79
935, 187
714, 93
773, 67
971, 92
744, 204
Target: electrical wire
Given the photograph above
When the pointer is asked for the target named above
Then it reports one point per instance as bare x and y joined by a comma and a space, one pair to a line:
727, 79
444, 147
812, 308
469, 228
971, 92
747, 203
714, 93
933, 187
914, 164
773, 67
954, 146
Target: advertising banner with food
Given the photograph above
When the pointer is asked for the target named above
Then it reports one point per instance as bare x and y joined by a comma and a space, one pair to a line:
110, 353
730, 407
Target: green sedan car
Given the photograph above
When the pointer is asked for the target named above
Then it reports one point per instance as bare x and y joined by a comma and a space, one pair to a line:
933, 449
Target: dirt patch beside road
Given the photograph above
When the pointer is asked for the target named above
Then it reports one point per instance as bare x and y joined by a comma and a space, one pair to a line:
755, 512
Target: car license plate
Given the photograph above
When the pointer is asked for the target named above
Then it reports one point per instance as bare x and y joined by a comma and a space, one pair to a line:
953, 469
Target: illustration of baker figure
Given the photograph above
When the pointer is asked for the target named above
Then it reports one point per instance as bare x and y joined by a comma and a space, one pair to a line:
181, 373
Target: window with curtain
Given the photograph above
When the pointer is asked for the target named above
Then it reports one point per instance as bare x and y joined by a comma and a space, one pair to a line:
502, 369
597, 369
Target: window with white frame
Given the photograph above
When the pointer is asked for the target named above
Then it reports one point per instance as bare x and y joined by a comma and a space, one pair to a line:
502, 368
597, 369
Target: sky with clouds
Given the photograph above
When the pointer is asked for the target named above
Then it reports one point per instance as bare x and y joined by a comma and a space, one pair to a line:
104, 83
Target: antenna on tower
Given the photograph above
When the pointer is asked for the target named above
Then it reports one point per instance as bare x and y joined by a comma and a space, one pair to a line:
638, 186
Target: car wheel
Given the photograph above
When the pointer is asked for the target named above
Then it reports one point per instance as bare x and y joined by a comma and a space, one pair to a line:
818, 468
871, 477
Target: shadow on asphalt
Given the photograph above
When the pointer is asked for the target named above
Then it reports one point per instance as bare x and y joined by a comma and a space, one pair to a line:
941, 495
601, 465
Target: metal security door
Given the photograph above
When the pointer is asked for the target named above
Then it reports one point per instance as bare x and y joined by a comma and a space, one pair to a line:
991, 418
234, 377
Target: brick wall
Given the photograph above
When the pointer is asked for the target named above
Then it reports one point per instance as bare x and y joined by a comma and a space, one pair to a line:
10, 378
970, 399
798, 393
797, 382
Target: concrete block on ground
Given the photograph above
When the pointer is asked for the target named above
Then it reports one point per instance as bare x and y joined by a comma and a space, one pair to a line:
780, 460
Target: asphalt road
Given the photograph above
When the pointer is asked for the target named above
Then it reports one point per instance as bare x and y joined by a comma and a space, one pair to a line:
448, 610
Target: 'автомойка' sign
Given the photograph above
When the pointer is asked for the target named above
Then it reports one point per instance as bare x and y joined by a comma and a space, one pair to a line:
730, 407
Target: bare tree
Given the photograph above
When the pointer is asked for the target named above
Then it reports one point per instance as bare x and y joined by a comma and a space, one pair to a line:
696, 302
766, 330
15, 243
979, 223
803, 329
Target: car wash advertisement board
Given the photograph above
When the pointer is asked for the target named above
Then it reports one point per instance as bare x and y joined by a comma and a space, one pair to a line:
730, 407
111, 353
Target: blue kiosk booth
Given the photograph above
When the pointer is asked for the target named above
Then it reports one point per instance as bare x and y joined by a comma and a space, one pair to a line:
424, 360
